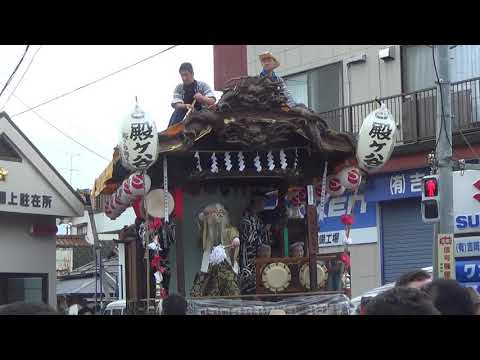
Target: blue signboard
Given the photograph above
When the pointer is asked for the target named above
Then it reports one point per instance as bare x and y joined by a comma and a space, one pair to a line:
392, 186
468, 271
475, 286
365, 213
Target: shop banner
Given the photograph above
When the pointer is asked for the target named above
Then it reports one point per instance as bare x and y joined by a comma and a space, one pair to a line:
446, 260
467, 246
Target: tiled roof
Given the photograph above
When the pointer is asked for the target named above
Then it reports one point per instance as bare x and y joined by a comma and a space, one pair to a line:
67, 241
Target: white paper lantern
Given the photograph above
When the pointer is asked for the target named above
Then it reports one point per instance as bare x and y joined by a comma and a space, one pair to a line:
376, 139
127, 190
350, 177
123, 196
139, 141
139, 184
334, 186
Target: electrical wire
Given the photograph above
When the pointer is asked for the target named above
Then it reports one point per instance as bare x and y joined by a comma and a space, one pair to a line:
95, 81
14, 70
21, 78
62, 132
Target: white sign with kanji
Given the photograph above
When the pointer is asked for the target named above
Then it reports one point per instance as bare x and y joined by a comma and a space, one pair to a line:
139, 141
376, 139
446, 256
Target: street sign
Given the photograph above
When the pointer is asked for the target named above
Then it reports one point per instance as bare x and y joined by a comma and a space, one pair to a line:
467, 246
468, 271
446, 260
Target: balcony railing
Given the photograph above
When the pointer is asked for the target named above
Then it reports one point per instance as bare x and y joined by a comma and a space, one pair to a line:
415, 112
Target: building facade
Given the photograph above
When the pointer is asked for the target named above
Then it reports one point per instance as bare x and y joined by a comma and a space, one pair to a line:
32, 196
342, 83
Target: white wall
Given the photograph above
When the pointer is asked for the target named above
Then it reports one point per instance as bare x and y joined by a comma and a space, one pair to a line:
121, 261
365, 79
105, 225
21, 252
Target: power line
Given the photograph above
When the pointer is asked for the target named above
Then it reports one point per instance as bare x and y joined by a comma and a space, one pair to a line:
21, 78
62, 132
14, 71
96, 81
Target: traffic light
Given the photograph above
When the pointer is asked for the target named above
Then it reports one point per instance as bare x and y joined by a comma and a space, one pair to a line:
430, 199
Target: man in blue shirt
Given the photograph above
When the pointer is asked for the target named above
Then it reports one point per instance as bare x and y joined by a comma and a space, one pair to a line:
270, 63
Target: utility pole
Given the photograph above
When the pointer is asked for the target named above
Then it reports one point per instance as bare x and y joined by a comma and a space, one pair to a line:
444, 151
99, 271
71, 169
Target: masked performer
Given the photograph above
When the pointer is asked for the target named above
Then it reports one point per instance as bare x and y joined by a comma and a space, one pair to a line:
218, 273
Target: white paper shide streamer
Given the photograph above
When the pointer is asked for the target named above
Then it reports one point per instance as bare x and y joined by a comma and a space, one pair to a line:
324, 192
283, 160
218, 255
257, 162
295, 163
241, 161
270, 160
197, 157
214, 168
228, 161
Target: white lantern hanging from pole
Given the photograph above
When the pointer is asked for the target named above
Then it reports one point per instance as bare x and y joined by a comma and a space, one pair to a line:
139, 141
376, 139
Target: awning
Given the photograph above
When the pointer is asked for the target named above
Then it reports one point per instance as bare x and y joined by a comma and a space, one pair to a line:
102, 184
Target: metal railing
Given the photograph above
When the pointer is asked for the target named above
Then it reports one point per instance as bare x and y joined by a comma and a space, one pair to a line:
414, 112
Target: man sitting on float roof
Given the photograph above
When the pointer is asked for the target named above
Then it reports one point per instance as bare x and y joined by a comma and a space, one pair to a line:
187, 92
270, 63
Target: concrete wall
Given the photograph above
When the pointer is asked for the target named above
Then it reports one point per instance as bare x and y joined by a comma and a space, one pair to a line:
371, 79
121, 263
365, 266
104, 224
21, 252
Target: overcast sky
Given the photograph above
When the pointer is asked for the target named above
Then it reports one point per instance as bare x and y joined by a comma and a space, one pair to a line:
93, 115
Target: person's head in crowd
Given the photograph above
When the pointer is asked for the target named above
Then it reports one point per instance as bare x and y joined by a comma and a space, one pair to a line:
401, 301
414, 279
450, 298
363, 304
85, 311
186, 73
476, 299
174, 305
23, 308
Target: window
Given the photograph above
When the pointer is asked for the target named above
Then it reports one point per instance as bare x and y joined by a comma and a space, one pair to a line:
417, 65
31, 288
82, 229
321, 89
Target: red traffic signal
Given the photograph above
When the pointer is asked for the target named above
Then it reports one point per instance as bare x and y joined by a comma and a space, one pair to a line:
431, 187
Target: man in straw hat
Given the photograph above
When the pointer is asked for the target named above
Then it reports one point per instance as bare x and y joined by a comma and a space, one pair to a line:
187, 92
270, 63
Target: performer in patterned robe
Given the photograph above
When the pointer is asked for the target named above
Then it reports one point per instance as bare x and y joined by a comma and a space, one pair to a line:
253, 234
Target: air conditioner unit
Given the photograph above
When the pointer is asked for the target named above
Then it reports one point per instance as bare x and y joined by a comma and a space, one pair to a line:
387, 53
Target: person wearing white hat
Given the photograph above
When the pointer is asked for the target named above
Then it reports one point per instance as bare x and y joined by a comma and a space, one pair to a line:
270, 63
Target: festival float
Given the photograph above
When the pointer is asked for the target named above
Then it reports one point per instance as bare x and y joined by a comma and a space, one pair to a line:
191, 184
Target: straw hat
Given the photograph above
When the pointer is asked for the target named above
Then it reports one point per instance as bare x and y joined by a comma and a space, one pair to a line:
269, 55
277, 312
